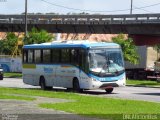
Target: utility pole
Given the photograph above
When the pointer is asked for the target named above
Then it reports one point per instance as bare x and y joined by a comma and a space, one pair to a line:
131, 6
26, 33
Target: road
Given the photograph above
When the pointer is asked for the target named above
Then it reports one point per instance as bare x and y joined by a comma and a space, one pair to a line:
133, 93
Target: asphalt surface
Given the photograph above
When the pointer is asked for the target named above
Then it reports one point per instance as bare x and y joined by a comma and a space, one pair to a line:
133, 93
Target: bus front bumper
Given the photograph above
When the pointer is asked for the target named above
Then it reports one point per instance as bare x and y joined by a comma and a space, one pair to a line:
108, 85
104, 85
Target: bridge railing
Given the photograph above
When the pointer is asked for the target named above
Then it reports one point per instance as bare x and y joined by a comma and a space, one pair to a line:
81, 19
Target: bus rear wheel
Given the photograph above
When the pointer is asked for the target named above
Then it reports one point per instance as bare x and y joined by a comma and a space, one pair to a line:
109, 90
76, 86
43, 84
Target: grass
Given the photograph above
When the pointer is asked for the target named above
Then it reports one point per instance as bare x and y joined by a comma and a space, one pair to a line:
12, 75
89, 105
143, 83
101, 107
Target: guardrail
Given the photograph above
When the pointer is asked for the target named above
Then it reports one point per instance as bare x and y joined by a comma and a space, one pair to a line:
81, 19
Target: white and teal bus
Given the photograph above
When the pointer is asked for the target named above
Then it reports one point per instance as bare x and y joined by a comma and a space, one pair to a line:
77, 65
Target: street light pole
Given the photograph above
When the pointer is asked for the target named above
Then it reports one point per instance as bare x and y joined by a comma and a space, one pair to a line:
131, 6
26, 18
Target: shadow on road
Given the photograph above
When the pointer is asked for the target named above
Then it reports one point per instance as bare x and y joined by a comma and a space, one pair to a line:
90, 92
154, 94
96, 92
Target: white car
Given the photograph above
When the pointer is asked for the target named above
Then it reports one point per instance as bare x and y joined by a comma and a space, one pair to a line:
1, 73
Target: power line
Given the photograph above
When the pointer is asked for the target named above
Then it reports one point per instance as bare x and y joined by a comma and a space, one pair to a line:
143, 9
148, 6
87, 10
146, 2
82, 9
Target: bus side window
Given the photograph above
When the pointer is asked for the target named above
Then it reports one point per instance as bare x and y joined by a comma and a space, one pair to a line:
30, 56
83, 60
25, 56
55, 55
74, 57
37, 56
46, 56
65, 56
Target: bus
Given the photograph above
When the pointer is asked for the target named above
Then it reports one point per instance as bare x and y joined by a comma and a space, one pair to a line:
76, 65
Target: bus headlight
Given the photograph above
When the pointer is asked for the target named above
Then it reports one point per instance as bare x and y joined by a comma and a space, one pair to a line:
123, 78
93, 79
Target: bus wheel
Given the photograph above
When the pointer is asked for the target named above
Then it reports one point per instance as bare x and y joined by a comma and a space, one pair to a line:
76, 86
109, 90
43, 84
69, 89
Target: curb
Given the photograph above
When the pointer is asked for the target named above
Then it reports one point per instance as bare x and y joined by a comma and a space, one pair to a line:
144, 86
11, 77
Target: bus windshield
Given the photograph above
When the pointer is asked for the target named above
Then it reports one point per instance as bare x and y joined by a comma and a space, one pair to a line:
106, 62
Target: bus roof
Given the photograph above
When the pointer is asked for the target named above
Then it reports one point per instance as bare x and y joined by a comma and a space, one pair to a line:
72, 44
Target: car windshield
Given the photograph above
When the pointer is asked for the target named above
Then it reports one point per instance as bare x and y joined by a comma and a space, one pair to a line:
108, 61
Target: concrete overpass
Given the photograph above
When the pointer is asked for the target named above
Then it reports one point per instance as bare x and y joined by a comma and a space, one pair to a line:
137, 24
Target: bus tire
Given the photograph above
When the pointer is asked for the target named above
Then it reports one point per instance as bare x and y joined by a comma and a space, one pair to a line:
109, 90
76, 86
69, 89
1, 77
43, 84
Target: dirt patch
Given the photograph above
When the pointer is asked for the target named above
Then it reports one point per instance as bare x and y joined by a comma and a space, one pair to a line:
29, 110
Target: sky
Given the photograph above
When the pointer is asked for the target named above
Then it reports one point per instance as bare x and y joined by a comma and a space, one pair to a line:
79, 6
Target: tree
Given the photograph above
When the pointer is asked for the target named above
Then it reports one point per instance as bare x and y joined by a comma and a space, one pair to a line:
128, 48
38, 36
8, 44
157, 48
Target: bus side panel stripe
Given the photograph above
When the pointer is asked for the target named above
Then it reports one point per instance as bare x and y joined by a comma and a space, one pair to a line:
29, 66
